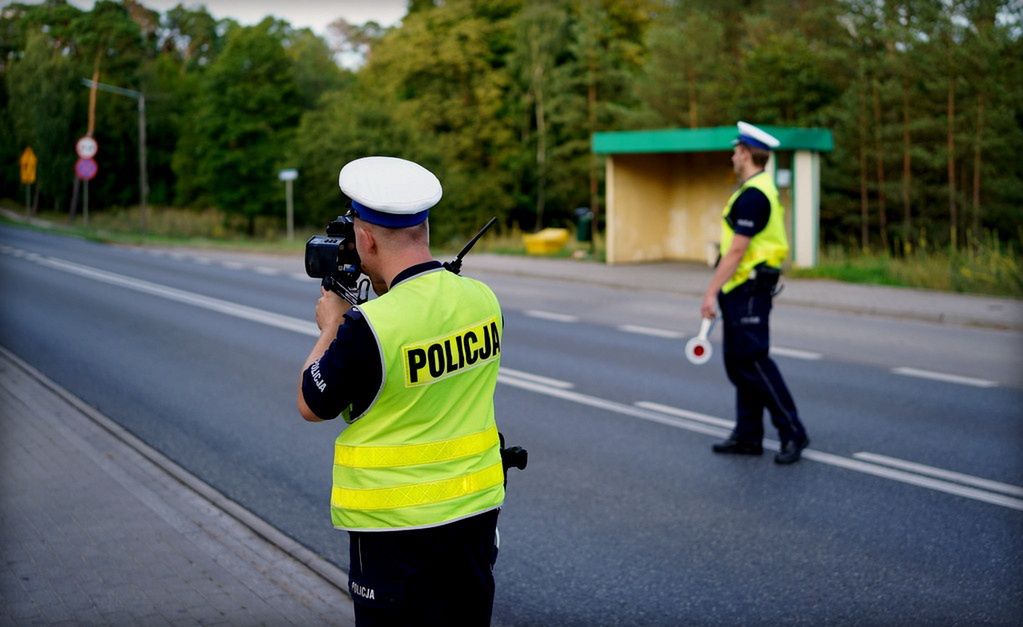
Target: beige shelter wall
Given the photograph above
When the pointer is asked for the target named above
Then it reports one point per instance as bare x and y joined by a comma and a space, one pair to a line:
636, 198
699, 187
666, 206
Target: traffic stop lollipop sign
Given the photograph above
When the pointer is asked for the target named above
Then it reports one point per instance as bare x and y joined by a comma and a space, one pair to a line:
698, 349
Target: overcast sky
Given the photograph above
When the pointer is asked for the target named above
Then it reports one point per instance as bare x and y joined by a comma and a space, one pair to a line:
315, 14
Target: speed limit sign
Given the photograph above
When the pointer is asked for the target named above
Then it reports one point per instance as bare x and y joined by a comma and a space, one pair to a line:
86, 147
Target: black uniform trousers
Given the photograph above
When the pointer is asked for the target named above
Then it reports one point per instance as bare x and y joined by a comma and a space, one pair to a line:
437, 576
758, 383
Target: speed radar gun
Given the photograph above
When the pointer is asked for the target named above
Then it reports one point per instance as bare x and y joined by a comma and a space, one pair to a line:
334, 259
699, 349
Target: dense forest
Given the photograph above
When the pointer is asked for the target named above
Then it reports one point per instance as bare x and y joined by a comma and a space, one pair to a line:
500, 98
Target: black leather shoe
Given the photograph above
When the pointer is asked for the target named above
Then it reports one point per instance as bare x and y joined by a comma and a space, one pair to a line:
735, 447
791, 451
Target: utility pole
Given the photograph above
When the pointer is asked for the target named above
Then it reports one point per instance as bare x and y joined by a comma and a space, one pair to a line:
141, 98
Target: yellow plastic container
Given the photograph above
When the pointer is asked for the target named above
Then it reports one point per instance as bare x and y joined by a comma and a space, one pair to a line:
545, 242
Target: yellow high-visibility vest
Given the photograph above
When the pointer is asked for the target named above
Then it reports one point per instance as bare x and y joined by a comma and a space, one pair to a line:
770, 245
426, 451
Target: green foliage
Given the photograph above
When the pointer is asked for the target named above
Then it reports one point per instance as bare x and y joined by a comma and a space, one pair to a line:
313, 67
244, 118
501, 98
41, 88
349, 124
984, 266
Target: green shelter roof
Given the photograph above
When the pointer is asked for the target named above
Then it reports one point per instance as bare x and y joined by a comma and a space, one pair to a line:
718, 138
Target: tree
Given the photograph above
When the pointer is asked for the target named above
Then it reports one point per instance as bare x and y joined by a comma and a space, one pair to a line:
42, 88
685, 76
246, 110
313, 67
541, 31
445, 70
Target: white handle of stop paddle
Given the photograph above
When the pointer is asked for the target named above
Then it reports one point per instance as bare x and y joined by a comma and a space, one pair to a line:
699, 348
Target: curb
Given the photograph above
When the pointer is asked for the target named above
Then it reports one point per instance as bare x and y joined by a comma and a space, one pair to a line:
321, 567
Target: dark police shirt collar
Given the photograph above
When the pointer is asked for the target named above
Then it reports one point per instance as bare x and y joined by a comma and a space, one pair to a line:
419, 268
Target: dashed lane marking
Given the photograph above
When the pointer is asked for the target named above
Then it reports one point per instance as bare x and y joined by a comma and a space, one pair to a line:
665, 333
535, 378
549, 315
267, 271
795, 353
946, 378
685, 413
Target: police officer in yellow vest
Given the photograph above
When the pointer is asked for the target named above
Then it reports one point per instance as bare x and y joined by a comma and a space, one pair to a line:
417, 475
753, 246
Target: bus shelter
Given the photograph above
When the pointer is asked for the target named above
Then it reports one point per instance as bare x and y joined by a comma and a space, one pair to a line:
666, 190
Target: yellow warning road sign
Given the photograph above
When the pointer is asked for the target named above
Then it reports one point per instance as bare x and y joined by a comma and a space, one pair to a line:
28, 167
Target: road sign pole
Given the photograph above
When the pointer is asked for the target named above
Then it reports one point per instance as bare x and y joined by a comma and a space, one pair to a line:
291, 210
28, 198
143, 184
85, 204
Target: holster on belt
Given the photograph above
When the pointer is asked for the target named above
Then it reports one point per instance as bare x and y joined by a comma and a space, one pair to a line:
764, 278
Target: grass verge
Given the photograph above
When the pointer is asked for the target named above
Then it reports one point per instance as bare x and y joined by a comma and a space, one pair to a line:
984, 267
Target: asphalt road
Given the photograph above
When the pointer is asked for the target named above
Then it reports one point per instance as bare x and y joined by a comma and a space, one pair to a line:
907, 509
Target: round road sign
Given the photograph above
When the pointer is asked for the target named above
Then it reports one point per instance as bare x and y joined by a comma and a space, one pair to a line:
86, 169
86, 147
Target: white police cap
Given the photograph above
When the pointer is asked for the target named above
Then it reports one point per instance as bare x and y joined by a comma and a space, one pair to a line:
755, 137
388, 191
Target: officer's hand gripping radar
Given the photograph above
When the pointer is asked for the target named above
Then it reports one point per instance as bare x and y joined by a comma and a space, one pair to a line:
334, 259
699, 348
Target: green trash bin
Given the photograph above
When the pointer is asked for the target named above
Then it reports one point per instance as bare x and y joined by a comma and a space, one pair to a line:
583, 224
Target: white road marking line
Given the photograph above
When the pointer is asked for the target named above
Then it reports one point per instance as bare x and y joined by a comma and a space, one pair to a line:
178, 255
548, 315
267, 271
308, 328
213, 304
941, 376
599, 403
685, 413
234, 265
811, 454
631, 328
914, 479
922, 469
535, 378
300, 276
795, 353
203, 260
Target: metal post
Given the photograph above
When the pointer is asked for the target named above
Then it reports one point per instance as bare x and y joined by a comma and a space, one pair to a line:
141, 98
85, 203
291, 210
143, 184
28, 197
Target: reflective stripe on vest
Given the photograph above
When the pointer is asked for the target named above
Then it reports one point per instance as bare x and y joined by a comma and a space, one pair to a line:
426, 451
770, 245
413, 454
419, 493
